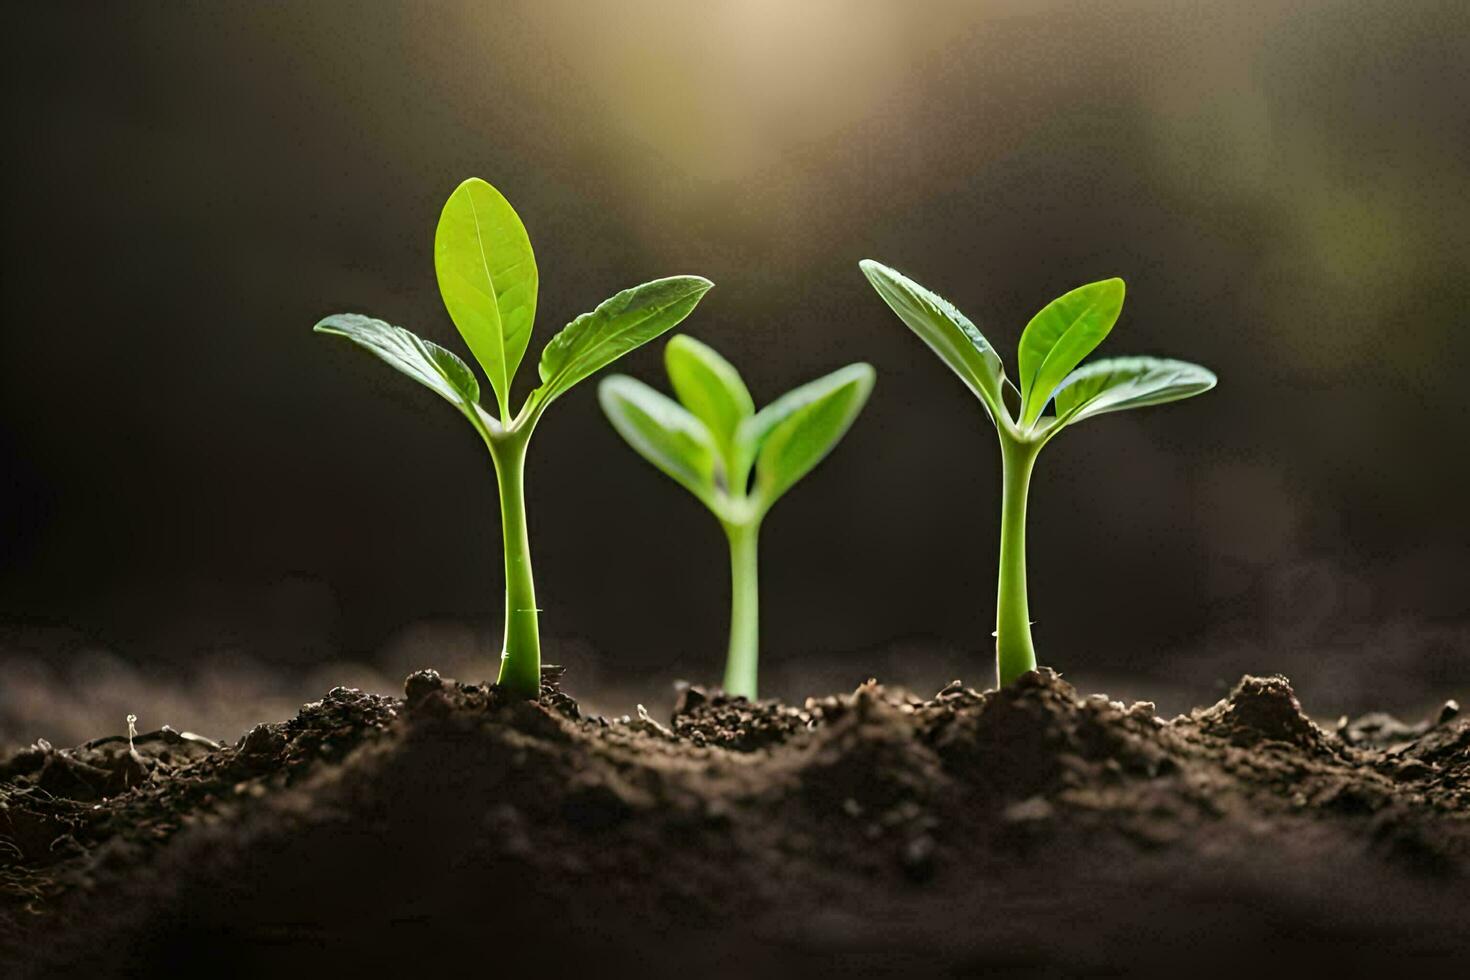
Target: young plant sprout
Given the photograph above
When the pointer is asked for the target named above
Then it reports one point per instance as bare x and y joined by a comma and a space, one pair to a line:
487, 277
711, 443
1052, 345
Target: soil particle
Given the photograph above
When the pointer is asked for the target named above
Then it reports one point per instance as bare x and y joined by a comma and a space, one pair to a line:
420, 685
707, 717
875, 833
1262, 708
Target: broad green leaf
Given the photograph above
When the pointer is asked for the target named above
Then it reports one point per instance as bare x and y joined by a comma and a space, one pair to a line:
424, 361
1119, 383
630, 319
809, 421
711, 388
947, 331
663, 432
1060, 336
487, 276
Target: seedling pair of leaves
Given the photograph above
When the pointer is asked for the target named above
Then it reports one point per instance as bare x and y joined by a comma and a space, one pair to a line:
738, 462
488, 279
1052, 346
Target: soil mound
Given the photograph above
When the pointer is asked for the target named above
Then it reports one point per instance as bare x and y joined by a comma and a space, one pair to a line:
1028, 830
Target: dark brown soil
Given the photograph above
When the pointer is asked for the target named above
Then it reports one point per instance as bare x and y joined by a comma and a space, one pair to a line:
1025, 832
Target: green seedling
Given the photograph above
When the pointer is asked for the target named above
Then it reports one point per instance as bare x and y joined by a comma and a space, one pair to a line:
737, 461
1052, 345
488, 279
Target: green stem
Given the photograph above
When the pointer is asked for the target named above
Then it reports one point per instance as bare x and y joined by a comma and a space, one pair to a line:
1014, 653
740, 668
520, 661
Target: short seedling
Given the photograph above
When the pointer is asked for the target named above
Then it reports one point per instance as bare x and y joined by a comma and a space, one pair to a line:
1052, 345
711, 443
487, 277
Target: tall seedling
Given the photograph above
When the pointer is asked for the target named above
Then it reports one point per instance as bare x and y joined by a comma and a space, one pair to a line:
737, 461
1052, 345
488, 279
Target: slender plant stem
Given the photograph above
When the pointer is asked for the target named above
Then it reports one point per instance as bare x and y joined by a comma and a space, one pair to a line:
740, 667
520, 661
1014, 653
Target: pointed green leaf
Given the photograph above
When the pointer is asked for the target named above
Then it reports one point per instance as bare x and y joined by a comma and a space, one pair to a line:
711, 388
424, 361
947, 331
487, 276
628, 320
1119, 383
801, 427
753, 432
663, 432
1060, 336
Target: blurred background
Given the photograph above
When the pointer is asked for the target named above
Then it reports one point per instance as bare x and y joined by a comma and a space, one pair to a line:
209, 515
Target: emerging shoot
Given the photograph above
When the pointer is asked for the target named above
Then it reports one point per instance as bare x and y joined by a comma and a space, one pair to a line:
737, 461
488, 279
1052, 345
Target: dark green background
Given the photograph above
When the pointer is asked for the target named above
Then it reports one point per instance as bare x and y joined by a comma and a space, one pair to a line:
191, 477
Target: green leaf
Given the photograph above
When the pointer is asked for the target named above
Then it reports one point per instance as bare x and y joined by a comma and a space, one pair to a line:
711, 388
487, 276
799, 429
947, 331
628, 320
1060, 336
1119, 383
663, 432
424, 361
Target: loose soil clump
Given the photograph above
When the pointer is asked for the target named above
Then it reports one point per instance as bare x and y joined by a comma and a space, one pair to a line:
1028, 831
